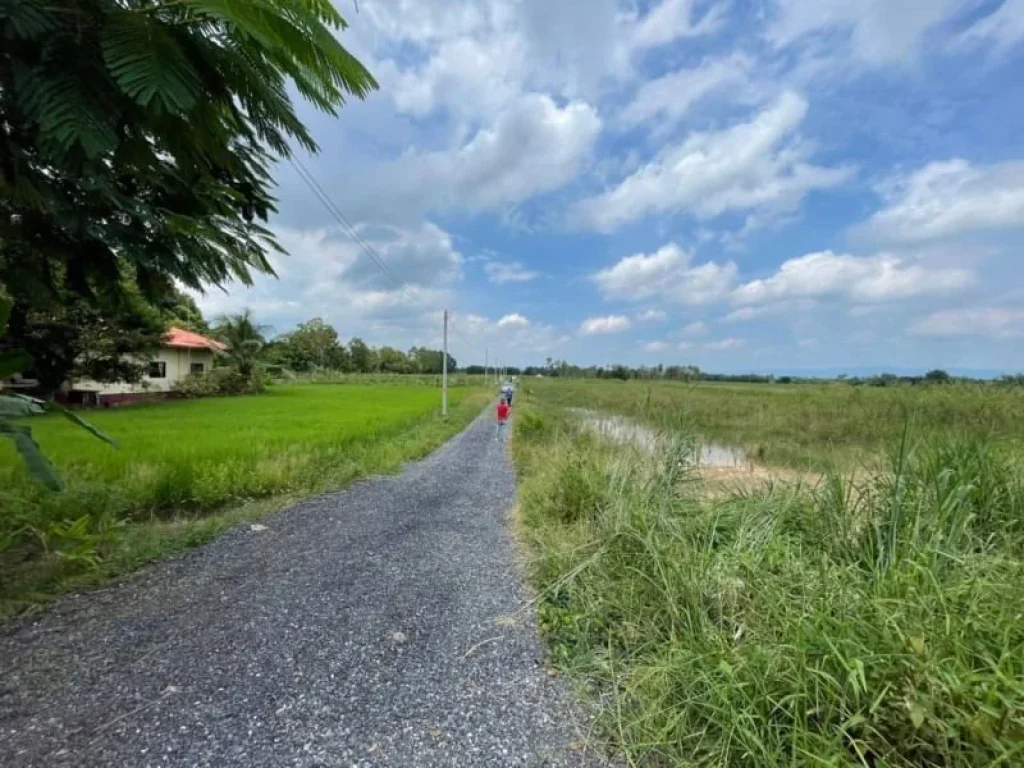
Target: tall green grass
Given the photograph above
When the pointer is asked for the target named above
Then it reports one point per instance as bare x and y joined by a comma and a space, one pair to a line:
806, 425
870, 623
184, 462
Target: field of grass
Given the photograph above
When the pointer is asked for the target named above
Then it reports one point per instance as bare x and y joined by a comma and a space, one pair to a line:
187, 469
876, 621
813, 426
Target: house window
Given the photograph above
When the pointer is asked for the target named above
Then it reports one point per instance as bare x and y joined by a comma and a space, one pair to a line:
196, 368
157, 370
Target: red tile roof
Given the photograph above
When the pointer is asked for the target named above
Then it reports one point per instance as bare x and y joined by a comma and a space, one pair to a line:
182, 339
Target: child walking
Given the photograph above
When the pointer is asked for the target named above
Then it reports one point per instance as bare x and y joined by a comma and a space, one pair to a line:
502, 418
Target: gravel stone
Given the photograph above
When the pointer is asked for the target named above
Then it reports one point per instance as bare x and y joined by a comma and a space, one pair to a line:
384, 625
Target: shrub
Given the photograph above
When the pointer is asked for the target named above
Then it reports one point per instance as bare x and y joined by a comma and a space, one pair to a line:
218, 382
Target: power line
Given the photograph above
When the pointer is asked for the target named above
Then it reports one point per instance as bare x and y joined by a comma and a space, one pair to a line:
321, 194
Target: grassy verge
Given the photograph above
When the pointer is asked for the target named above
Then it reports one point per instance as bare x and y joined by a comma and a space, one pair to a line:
806, 426
840, 625
188, 470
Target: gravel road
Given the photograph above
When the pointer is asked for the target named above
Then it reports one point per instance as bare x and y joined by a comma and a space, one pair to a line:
382, 625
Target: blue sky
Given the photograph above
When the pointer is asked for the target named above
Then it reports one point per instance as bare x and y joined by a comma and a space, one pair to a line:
773, 185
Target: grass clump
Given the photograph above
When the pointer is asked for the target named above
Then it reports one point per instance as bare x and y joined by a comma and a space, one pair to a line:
188, 469
877, 622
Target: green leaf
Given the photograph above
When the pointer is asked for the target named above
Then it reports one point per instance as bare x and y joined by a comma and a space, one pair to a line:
13, 362
33, 457
6, 305
148, 64
74, 417
28, 18
14, 406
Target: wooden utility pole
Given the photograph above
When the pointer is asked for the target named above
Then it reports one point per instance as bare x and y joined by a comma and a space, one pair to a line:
444, 370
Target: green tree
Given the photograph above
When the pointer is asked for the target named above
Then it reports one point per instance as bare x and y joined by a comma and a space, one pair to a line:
360, 355
181, 311
938, 376
244, 340
314, 344
15, 407
391, 360
423, 360
142, 134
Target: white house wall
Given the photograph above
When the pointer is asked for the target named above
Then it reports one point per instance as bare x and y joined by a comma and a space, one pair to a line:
178, 364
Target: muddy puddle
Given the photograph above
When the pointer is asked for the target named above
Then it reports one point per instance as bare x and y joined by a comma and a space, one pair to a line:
622, 430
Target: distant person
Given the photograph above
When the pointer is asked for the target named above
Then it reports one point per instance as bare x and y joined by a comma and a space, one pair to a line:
502, 418
506, 393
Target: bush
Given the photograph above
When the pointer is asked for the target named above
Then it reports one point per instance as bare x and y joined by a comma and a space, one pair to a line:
218, 382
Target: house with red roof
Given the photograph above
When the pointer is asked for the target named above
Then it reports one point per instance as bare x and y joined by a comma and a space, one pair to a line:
181, 354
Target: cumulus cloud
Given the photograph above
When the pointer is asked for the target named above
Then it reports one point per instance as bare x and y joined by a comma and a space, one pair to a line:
599, 326
513, 320
326, 274
533, 146
696, 328
668, 273
987, 322
860, 278
421, 256
501, 272
655, 346
950, 198
511, 332
759, 164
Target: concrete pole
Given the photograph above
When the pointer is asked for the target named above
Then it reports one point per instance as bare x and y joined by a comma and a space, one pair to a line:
444, 370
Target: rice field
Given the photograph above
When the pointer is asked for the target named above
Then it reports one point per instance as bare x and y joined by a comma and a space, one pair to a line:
184, 463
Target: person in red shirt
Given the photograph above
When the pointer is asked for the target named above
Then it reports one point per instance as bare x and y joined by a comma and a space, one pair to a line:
503, 410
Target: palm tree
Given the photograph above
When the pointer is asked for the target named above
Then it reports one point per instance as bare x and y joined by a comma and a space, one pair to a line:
245, 341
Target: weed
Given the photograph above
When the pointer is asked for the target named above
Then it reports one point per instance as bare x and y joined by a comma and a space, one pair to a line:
869, 620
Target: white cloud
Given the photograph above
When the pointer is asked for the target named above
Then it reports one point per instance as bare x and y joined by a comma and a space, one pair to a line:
950, 198
988, 322
655, 346
675, 19
513, 320
500, 272
696, 328
473, 77
421, 256
328, 275
880, 31
860, 278
723, 344
652, 316
744, 314
754, 165
668, 273
598, 326
534, 146
671, 96
1004, 27
512, 332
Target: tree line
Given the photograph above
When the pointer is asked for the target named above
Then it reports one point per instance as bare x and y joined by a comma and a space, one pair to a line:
316, 346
